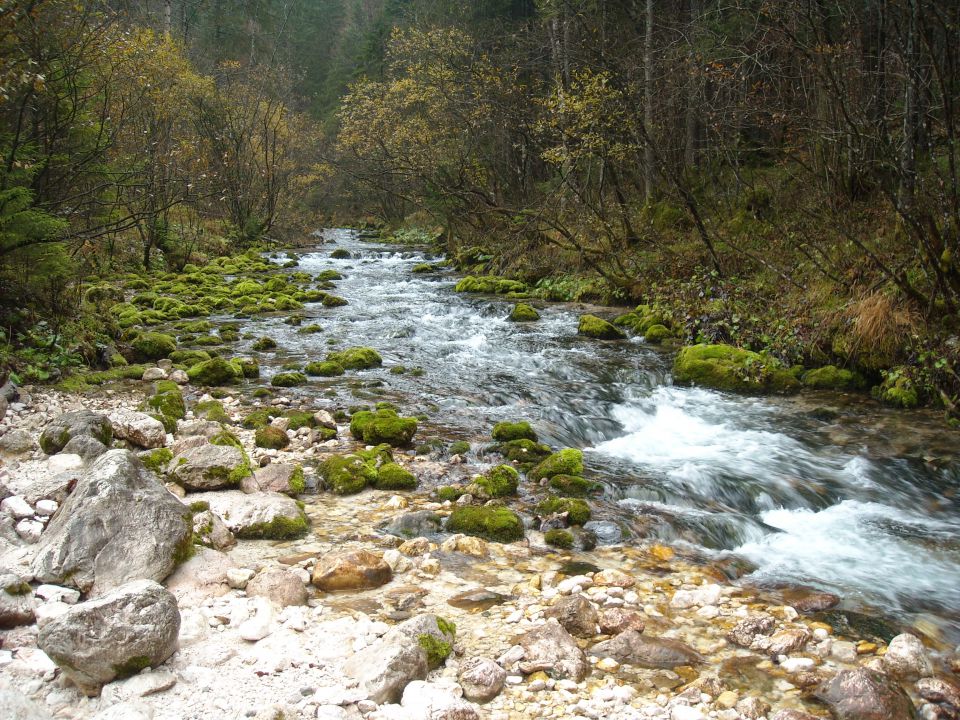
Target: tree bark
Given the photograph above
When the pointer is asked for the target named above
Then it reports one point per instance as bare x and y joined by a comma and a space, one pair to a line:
648, 173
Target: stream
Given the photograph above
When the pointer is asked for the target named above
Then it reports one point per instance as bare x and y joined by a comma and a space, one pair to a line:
823, 490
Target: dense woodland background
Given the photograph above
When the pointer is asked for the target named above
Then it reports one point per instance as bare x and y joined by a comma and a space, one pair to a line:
781, 175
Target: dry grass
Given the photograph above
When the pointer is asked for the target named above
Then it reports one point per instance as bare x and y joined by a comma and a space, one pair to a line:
878, 324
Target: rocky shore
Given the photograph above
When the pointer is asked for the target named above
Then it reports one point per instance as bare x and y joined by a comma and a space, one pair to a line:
155, 566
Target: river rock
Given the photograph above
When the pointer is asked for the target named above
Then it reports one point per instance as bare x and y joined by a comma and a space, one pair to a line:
207, 467
350, 570
613, 578
814, 602
277, 477
132, 627
383, 669
576, 614
17, 603
210, 530
614, 621
793, 715
63, 462
18, 706
282, 587
324, 419
478, 599
606, 532
437, 702
782, 643
481, 679
86, 447
650, 652
17, 507
420, 523
252, 516
906, 657
707, 594
938, 690
138, 428
17, 442
746, 632
552, 649
198, 428
119, 524
864, 694
80, 422
52, 487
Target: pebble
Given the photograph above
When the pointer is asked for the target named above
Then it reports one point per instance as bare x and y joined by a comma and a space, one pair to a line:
17, 507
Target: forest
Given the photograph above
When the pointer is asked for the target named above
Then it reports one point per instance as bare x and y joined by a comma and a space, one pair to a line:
781, 176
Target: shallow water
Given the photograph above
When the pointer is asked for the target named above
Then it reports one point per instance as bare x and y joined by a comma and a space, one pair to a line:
824, 490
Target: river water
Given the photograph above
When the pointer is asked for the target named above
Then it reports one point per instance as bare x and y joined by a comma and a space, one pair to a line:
828, 491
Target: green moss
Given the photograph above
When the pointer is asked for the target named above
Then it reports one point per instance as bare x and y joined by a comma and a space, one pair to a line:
131, 667
460, 447
211, 410
157, 460
831, 377
288, 379
227, 439
524, 313
897, 389
258, 419
422, 268
592, 326
564, 462
356, 358
326, 368
206, 340
83, 381
656, 334
168, 405
558, 538
501, 481
312, 329
333, 301
578, 510
507, 431
280, 528
298, 483
393, 477
383, 426
525, 453
724, 367
449, 492
153, 346
437, 650
249, 367
498, 524
199, 506
340, 254
189, 358
447, 627
490, 284
572, 486
264, 343
271, 437
216, 371
300, 418
347, 474
262, 392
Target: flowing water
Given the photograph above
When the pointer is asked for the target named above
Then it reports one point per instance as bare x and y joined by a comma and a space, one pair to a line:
823, 490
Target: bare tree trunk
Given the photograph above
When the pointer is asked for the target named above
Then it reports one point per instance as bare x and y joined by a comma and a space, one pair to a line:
648, 103
908, 155
168, 17
692, 121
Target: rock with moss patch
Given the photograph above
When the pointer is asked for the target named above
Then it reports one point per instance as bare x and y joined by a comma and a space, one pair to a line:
249, 368
575, 510
592, 326
347, 474
157, 460
724, 367
153, 346
189, 358
271, 437
490, 284
897, 389
500, 481
356, 358
393, 477
64, 428
325, 368
565, 462
498, 524
281, 477
559, 538
258, 515
830, 377
214, 372
507, 431
209, 467
134, 627
525, 453
572, 486
383, 426
262, 344
656, 334
523, 313
118, 524
288, 379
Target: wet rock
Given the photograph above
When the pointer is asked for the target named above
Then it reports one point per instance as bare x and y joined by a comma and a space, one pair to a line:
119, 634
208, 467
906, 657
708, 594
81, 422
815, 602
119, 524
576, 614
792, 715
17, 603
353, 570
613, 578
783, 642
650, 652
606, 532
749, 630
938, 690
863, 694
479, 599
420, 523
138, 428
481, 679
282, 587
614, 621
86, 447
257, 515
553, 650
753, 708
17, 442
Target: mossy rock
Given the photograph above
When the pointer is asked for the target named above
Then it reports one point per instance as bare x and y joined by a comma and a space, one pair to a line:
393, 477
656, 334
213, 372
246, 288
249, 367
257, 419
573, 486
325, 368
490, 284
229, 336
211, 410
558, 538
565, 462
578, 511
498, 524
830, 377
422, 268
347, 474
189, 358
507, 431
311, 329
356, 358
450, 493
340, 254
897, 390
383, 426
724, 367
264, 343
524, 313
501, 481
157, 460
153, 346
167, 405
280, 528
525, 453
300, 419
271, 437
594, 327
460, 447
437, 650
288, 379
328, 276
333, 301
206, 341
197, 326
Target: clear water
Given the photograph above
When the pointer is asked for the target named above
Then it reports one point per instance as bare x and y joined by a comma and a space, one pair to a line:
828, 491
